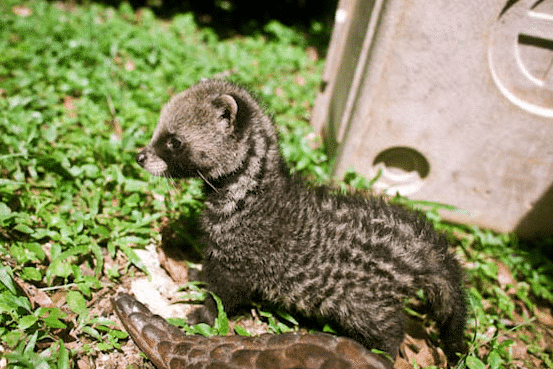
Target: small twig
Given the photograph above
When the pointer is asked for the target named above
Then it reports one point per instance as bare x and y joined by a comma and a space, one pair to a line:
116, 126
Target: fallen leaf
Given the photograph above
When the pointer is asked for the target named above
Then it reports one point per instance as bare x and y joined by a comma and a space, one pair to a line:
300, 81
544, 315
22, 11
129, 65
83, 363
59, 298
519, 350
312, 53
504, 276
69, 106
427, 356
176, 267
417, 346
401, 363
36, 297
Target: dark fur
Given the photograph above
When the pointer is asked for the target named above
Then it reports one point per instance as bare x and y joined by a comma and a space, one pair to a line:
350, 258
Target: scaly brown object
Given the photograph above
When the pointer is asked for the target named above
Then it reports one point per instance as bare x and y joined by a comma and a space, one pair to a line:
170, 348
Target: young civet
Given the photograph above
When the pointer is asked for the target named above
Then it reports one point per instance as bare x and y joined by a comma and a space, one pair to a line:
352, 259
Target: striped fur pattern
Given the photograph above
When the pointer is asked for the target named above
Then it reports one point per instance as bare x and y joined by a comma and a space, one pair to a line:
352, 259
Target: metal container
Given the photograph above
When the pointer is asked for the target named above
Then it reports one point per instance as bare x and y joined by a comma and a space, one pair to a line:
451, 101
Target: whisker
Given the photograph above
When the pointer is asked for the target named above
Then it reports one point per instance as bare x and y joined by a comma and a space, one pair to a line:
170, 183
173, 183
206, 181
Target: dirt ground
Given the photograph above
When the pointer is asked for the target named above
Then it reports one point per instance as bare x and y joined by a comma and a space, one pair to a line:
160, 293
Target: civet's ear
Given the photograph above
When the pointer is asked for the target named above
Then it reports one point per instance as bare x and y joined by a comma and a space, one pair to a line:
227, 108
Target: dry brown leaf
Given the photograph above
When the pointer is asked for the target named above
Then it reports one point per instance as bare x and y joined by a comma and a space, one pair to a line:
300, 81
544, 315
59, 298
312, 53
279, 92
36, 297
47, 248
69, 106
176, 268
426, 356
401, 363
22, 11
504, 276
519, 350
129, 65
83, 363
417, 347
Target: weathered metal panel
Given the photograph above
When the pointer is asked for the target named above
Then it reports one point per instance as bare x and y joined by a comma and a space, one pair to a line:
452, 101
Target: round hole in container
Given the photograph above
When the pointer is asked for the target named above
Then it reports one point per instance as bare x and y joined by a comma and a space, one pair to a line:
402, 169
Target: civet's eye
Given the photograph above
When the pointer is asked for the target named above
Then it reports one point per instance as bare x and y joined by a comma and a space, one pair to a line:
173, 143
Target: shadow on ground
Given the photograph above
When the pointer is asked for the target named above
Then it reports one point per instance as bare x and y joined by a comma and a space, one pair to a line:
228, 18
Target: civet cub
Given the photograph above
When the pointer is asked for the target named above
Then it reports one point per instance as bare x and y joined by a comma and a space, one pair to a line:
351, 258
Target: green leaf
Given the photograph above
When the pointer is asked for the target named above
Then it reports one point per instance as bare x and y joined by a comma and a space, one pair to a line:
32, 274
51, 317
12, 337
179, 322
133, 258
475, 363
26, 321
494, 360
204, 329
23, 228
41, 233
6, 278
35, 251
133, 185
84, 288
221, 323
119, 334
241, 331
93, 332
59, 268
102, 346
11, 304
77, 302
327, 328
503, 346
285, 315
54, 323
5, 211
63, 356
274, 325
390, 358
101, 231
194, 296
29, 348
99, 257
283, 328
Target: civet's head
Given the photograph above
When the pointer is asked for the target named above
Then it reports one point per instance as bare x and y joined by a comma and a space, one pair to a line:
199, 133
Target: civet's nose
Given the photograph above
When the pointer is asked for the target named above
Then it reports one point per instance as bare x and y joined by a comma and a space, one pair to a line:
141, 157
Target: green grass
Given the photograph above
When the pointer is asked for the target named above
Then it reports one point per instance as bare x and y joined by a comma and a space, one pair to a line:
80, 92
